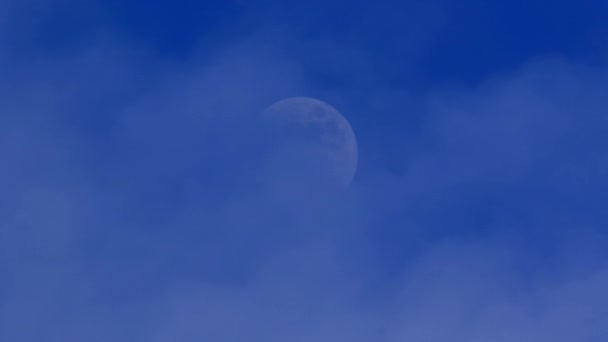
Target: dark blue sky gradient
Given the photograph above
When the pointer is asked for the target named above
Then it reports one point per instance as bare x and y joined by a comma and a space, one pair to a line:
140, 201
473, 38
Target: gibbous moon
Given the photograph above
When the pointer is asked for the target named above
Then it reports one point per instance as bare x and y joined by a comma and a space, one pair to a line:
313, 142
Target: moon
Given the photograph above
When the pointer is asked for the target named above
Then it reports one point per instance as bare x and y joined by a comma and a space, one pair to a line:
312, 142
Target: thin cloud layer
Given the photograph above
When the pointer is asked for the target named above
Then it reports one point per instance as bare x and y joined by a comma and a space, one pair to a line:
129, 209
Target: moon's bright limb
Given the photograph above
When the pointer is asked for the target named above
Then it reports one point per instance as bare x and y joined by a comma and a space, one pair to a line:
314, 138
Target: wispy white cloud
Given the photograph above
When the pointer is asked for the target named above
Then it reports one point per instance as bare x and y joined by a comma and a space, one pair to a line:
121, 219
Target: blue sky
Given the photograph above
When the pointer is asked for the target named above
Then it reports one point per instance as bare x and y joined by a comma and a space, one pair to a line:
133, 205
